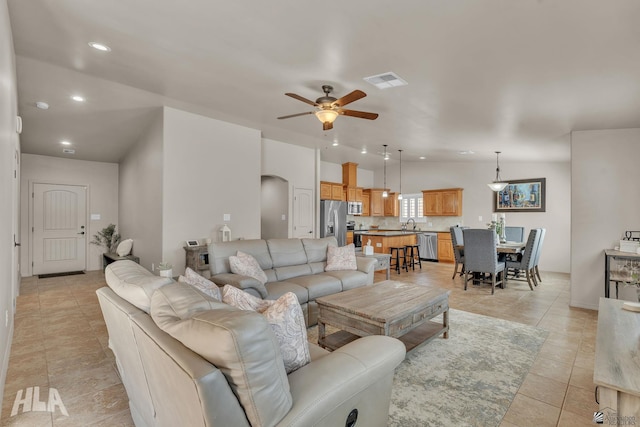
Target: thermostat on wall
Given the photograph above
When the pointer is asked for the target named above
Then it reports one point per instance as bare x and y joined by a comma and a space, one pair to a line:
193, 243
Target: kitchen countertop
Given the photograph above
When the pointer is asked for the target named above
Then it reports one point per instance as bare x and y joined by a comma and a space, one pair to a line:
374, 232
389, 233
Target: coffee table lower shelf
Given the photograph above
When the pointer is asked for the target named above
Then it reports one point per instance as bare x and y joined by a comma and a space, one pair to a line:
420, 335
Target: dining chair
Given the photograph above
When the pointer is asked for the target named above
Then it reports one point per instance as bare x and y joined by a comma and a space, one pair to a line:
514, 234
458, 254
537, 255
481, 256
525, 260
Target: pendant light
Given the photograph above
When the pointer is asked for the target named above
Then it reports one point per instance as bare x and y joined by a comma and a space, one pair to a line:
497, 184
400, 193
386, 157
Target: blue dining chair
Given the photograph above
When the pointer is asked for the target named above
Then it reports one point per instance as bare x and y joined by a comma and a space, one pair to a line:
480, 256
514, 234
525, 260
458, 254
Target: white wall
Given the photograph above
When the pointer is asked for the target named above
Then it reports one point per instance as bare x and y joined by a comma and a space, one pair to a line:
333, 173
211, 168
9, 144
140, 195
101, 180
605, 203
274, 204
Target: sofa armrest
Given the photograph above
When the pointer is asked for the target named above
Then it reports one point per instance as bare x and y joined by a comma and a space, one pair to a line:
245, 283
365, 264
356, 376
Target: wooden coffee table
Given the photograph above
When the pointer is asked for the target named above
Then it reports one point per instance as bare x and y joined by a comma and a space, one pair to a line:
392, 308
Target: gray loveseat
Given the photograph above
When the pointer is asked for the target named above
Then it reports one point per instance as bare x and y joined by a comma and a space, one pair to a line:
291, 265
171, 381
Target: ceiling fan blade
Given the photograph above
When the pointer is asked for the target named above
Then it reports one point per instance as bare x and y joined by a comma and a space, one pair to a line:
300, 98
359, 114
296, 115
348, 98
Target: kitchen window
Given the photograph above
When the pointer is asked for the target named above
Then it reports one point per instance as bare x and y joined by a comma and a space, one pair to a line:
411, 207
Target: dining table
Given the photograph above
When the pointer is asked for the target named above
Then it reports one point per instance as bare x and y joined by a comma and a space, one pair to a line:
505, 248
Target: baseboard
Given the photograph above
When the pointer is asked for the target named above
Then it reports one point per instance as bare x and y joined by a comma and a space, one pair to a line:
5, 362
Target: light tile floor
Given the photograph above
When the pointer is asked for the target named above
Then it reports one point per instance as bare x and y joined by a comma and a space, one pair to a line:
60, 341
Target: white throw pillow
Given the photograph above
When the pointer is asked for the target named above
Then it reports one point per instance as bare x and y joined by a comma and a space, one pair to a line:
341, 258
124, 248
246, 265
202, 284
286, 319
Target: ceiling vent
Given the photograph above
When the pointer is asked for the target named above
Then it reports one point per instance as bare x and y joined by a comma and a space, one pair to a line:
68, 151
386, 80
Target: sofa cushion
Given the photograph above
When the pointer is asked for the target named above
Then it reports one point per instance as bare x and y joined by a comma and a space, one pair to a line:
318, 285
124, 247
316, 249
200, 283
134, 283
246, 265
286, 252
350, 279
276, 289
181, 301
341, 258
286, 319
239, 343
287, 272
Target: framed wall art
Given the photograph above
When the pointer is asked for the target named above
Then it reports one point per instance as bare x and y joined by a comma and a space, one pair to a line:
521, 195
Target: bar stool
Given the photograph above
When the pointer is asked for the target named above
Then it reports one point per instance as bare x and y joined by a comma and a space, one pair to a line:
413, 252
396, 253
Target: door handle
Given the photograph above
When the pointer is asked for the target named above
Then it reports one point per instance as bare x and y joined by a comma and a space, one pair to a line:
311, 232
16, 244
82, 232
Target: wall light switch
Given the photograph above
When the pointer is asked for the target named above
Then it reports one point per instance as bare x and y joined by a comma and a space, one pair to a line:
378, 245
480, 218
95, 217
226, 217
284, 217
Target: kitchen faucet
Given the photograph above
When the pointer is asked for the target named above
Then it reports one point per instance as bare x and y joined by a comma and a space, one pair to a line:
414, 223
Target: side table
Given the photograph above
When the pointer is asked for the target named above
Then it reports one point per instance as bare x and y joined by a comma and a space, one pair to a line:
384, 262
108, 258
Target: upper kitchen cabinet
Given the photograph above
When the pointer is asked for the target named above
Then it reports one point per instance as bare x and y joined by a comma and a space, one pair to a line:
444, 202
376, 202
391, 205
331, 191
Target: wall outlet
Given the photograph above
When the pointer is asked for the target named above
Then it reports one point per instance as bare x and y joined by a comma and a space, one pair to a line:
284, 217
430, 224
153, 267
226, 217
378, 245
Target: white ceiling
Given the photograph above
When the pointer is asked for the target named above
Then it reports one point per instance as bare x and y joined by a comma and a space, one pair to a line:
484, 75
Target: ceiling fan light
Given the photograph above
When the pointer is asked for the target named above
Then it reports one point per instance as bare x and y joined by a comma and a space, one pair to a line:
327, 116
497, 184
400, 196
385, 193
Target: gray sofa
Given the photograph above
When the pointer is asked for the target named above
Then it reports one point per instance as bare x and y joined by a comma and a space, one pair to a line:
164, 362
291, 265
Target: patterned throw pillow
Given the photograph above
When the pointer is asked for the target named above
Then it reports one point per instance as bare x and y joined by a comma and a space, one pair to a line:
202, 284
341, 258
286, 320
247, 265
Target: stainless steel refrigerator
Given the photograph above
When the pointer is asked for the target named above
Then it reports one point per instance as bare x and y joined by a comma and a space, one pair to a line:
333, 220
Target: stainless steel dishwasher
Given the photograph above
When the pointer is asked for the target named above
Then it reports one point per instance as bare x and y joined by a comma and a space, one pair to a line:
428, 243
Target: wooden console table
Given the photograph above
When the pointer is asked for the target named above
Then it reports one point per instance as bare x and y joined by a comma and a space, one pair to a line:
613, 254
617, 363
383, 262
197, 257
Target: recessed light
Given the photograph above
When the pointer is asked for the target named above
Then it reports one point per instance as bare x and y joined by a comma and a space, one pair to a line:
65, 143
100, 46
364, 151
77, 98
335, 143
42, 105
422, 157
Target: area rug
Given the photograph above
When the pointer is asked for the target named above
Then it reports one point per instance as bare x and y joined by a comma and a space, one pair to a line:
469, 379
66, 273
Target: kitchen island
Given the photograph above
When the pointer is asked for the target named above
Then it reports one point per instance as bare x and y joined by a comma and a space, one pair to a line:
383, 240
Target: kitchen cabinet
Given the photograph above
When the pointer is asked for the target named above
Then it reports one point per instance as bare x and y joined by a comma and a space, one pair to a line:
350, 174
391, 205
359, 194
376, 202
351, 194
383, 240
366, 204
445, 248
349, 237
331, 191
445, 202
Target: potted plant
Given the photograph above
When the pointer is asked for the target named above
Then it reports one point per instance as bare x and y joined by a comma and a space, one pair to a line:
108, 238
166, 269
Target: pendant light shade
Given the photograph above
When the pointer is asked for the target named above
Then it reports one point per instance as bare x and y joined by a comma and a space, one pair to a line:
400, 193
497, 184
386, 157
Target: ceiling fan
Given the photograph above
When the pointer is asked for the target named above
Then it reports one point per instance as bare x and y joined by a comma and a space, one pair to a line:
329, 108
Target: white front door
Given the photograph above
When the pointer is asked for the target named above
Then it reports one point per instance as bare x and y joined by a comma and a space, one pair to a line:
302, 212
59, 228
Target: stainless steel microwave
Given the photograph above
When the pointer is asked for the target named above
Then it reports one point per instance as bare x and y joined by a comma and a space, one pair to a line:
354, 208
